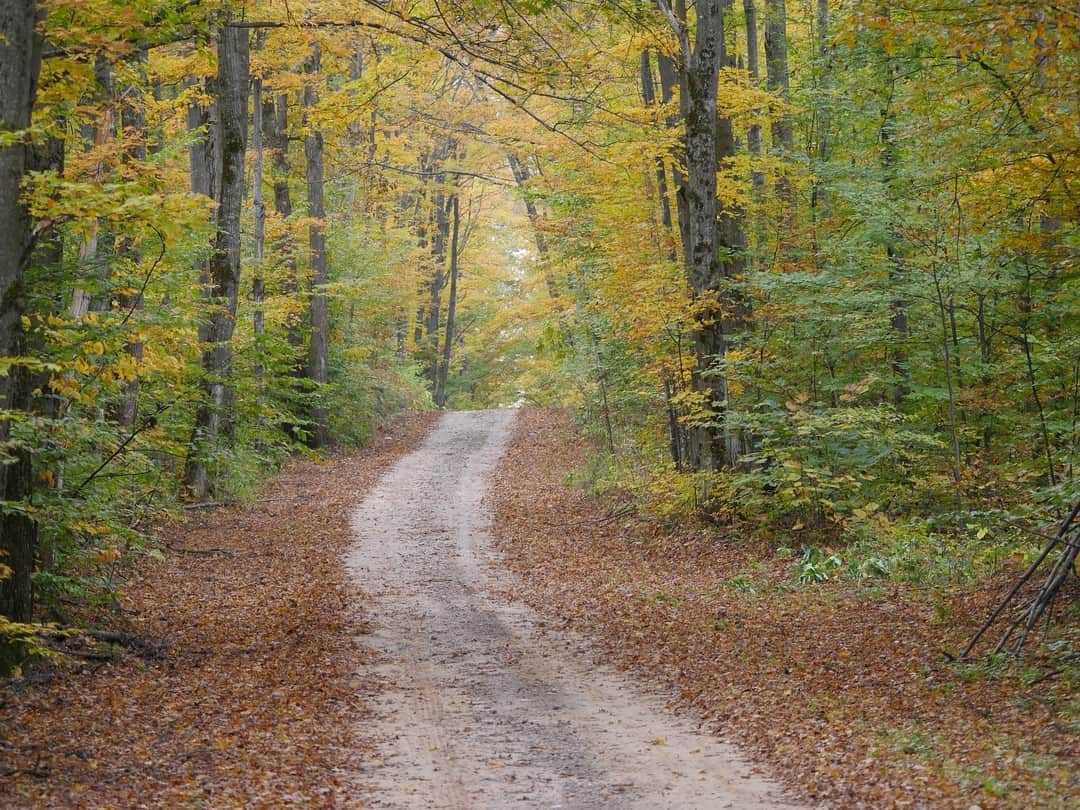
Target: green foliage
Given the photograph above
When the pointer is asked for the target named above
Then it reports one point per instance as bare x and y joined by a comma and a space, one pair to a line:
817, 566
21, 643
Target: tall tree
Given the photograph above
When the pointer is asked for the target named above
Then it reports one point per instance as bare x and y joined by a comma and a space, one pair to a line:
753, 67
451, 304
20, 63
318, 312
134, 152
213, 420
894, 250
520, 170
715, 250
781, 133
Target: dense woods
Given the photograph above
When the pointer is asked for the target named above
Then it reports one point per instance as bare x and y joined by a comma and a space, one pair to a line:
808, 270
804, 273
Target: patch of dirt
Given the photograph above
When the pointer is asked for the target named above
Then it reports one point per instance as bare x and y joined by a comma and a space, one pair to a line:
844, 692
480, 704
253, 701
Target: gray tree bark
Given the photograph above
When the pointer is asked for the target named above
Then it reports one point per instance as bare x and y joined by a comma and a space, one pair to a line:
753, 136
258, 204
213, 419
894, 256
822, 112
275, 120
20, 63
451, 305
776, 58
94, 249
776, 61
318, 311
715, 250
520, 170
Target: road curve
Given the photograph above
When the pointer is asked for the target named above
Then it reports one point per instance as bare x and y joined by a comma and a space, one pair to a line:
478, 705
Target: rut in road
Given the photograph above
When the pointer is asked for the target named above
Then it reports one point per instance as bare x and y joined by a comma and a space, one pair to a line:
479, 705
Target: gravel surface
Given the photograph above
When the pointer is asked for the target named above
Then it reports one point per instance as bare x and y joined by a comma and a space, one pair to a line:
479, 704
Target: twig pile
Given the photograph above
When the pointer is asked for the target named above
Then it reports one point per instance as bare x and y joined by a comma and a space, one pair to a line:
1068, 539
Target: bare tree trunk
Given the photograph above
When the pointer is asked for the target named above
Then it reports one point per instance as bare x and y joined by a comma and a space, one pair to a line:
674, 413
258, 282
20, 63
275, 121
204, 159
669, 81
753, 136
451, 305
716, 244
319, 344
520, 170
648, 94
213, 419
90, 264
776, 59
822, 117
890, 156
439, 236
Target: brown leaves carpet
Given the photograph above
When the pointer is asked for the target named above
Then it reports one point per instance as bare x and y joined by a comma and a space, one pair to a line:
253, 702
257, 699
842, 692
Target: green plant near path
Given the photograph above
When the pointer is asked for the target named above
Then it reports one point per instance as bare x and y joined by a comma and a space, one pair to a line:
817, 566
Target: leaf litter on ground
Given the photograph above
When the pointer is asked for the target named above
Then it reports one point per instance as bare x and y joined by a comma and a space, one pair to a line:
842, 692
254, 698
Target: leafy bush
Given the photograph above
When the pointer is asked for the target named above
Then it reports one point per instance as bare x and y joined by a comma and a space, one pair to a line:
824, 467
817, 566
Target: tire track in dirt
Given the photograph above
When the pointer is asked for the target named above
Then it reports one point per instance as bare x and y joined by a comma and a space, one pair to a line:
480, 705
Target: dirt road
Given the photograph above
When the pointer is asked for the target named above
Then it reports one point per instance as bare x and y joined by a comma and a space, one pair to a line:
481, 706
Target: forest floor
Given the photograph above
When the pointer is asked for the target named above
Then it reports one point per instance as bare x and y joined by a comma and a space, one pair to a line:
843, 688
353, 638
245, 693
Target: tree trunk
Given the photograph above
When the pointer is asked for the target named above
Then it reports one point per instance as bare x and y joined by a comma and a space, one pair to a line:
20, 63
90, 263
213, 420
439, 236
897, 267
822, 116
319, 344
776, 62
674, 413
133, 134
716, 245
648, 95
753, 136
520, 170
275, 121
669, 81
258, 282
776, 59
451, 306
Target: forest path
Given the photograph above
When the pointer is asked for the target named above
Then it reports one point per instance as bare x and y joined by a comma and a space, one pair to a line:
480, 705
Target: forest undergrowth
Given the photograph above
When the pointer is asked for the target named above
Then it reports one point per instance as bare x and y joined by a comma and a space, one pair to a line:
847, 687
241, 689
